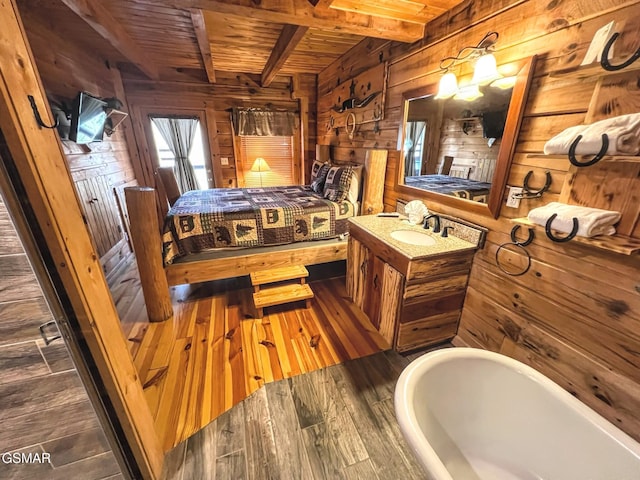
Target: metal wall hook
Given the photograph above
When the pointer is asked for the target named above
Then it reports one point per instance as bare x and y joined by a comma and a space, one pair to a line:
596, 159
529, 239
552, 237
604, 59
36, 113
528, 193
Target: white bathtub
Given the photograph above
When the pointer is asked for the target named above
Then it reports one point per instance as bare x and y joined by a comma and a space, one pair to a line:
471, 414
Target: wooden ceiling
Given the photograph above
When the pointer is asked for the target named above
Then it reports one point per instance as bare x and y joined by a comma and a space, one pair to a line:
263, 37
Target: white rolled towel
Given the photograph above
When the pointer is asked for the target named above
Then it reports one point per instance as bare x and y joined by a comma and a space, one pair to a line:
591, 221
623, 132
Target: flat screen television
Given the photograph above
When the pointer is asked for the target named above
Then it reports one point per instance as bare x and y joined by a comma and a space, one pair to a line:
88, 116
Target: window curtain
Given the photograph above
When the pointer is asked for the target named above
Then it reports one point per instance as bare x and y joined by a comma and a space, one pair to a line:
179, 134
263, 123
414, 132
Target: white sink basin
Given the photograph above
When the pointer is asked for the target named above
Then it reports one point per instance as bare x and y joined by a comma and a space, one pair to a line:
413, 237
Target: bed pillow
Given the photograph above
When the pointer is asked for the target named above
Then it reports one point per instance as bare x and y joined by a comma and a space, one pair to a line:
337, 184
353, 195
315, 168
317, 180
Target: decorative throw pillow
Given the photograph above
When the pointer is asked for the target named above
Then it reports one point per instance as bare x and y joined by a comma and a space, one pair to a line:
315, 168
337, 184
353, 195
317, 184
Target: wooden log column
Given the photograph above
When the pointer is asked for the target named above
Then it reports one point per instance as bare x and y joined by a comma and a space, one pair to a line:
141, 205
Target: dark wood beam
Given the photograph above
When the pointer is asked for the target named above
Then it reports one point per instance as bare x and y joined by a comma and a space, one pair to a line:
284, 47
99, 18
305, 14
197, 18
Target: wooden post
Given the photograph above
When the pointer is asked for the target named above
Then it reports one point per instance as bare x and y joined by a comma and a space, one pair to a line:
170, 184
323, 153
141, 205
40, 163
375, 165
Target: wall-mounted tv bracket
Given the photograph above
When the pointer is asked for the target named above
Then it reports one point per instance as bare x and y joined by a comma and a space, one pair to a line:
527, 192
36, 113
604, 59
596, 159
552, 237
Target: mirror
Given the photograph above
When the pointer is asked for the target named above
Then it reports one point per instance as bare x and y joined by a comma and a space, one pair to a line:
458, 152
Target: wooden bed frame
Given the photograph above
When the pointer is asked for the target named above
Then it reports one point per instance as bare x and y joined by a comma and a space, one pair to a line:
155, 278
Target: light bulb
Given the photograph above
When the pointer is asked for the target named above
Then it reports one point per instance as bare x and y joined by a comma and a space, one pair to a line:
448, 86
486, 70
505, 83
468, 93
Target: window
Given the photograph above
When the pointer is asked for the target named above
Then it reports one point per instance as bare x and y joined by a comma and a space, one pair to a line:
277, 153
196, 156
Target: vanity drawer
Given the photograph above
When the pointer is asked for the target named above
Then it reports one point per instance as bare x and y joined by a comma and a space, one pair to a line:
428, 331
436, 267
441, 287
420, 308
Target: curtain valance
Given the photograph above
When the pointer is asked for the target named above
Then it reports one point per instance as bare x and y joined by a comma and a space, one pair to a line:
263, 123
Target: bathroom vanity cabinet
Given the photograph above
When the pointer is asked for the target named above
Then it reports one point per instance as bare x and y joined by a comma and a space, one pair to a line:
412, 294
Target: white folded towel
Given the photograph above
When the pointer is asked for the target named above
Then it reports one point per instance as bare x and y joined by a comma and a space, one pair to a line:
623, 132
591, 221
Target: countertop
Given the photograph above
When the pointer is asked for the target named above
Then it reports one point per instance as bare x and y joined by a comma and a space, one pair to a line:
381, 228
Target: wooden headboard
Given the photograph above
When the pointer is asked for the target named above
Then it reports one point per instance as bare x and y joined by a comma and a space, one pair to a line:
375, 167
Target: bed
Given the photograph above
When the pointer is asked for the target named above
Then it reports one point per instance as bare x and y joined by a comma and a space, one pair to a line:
251, 217
455, 186
245, 249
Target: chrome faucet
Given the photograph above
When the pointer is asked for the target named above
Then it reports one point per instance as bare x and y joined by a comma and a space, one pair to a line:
436, 225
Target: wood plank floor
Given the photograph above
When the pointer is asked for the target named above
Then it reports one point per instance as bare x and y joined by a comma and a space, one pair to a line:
334, 423
213, 354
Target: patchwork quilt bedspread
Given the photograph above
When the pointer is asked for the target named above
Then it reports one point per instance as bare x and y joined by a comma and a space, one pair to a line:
458, 187
250, 217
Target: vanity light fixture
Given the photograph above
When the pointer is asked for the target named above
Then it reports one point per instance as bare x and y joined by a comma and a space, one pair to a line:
485, 71
448, 86
468, 92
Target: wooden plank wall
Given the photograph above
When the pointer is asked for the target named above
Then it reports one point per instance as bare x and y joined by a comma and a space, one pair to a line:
100, 170
215, 101
575, 315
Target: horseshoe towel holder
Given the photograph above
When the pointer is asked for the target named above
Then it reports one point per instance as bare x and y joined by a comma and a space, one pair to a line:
528, 192
604, 59
524, 243
513, 273
552, 237
596, 159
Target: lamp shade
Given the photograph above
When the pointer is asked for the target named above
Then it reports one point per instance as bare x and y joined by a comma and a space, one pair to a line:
448, 86
468, 93
486, 70
505, 83
260, 165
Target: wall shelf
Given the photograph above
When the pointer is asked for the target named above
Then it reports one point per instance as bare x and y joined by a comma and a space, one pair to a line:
605, 159
612, 243
593, 70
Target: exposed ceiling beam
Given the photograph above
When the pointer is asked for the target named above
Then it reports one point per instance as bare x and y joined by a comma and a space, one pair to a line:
92, 12
197, 18
286, 44
304, 14
321, 4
